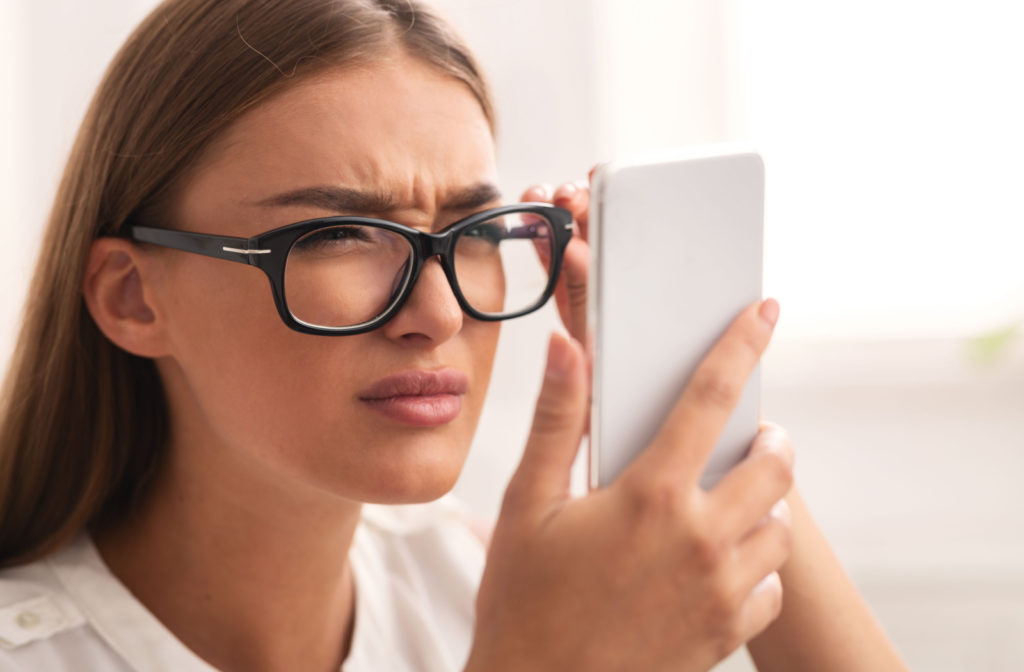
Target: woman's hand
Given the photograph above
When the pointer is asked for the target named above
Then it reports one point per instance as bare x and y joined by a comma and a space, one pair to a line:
571, 291
651, 573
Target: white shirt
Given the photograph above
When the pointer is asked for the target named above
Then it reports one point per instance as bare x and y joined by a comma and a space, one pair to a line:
416, 572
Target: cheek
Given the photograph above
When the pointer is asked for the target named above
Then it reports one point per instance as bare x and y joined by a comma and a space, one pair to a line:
286, 403
250, 381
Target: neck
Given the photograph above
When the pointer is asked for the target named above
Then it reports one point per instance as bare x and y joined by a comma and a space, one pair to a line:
250, 573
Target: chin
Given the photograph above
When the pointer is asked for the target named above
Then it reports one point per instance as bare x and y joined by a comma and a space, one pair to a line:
412, 479
416, 489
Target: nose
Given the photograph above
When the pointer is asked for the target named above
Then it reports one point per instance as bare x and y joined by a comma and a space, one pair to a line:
431, 312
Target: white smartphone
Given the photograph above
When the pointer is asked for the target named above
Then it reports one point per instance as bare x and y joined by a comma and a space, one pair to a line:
676, 246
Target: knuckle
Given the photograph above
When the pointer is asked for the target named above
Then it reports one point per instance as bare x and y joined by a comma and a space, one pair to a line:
723, 599
781, 513
775, 439
732, 637
779, 470
658, 498
515, 498
664, 509
707, 550
752, 341
787, 452
728, 630
775, 542
549, 420
714, 388
577, 292
555, 407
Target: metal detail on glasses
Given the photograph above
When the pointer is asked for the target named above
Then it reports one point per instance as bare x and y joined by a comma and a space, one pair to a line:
348, 275
238, 251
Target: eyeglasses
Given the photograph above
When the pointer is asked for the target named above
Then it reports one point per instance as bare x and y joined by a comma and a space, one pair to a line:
349, 275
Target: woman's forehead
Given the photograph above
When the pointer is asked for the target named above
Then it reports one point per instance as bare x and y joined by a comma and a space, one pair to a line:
397, 129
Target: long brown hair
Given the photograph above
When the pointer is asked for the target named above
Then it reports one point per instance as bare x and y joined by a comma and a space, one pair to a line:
83, 424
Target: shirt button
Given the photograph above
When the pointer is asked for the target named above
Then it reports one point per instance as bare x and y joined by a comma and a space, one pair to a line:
27, 620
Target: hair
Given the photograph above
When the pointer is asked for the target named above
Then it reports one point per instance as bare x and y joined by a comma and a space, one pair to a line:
84, 424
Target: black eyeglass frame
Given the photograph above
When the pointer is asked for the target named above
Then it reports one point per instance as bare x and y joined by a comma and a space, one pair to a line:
269, 251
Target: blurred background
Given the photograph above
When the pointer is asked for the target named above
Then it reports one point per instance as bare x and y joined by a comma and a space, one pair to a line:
894, 147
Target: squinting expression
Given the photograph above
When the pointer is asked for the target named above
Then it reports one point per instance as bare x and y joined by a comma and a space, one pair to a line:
385, 416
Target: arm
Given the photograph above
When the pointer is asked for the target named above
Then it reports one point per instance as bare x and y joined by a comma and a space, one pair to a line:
824, 624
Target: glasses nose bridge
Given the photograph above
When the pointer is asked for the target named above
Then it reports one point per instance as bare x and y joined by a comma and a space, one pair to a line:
440, 245
435, 244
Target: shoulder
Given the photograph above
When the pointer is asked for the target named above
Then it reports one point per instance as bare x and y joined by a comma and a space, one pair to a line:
42, 628
69, 612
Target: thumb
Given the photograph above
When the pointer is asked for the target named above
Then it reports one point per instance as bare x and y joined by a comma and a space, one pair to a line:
543, 474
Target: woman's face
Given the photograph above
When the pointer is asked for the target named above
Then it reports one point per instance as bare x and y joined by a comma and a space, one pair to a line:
304, 409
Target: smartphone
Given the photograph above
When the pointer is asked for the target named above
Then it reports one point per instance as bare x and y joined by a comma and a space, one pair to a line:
676, 244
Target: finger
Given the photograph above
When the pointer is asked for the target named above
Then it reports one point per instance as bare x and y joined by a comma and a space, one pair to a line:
571, 293
761, 556
749, 490
537, 193
576, 200
780, 512
761, 608
685, 440
542, 477
583, 221
766, 548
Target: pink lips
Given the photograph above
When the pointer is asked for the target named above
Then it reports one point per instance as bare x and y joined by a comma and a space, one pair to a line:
419, 398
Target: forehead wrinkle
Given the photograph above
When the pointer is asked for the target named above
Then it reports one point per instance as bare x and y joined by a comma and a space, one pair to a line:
344, 199
333, 198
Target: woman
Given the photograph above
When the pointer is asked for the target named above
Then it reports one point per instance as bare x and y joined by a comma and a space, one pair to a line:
189, 458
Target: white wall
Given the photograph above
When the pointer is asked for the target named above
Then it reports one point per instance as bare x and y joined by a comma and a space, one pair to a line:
892, 133
59, 50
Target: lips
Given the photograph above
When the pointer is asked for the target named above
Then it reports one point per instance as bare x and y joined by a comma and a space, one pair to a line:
417, 397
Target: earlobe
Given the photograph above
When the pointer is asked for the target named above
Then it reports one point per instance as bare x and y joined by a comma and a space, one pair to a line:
116, 294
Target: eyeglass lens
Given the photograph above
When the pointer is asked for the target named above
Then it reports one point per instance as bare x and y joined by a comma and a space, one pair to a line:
349, 274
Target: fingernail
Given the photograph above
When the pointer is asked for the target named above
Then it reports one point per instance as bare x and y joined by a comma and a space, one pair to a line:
769, 311
559, 357
780, 510
566, 192
535, 192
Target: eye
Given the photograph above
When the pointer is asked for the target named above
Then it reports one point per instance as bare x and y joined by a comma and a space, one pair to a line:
492, 232
334, 237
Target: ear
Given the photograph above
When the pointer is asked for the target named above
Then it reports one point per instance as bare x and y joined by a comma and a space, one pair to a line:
118, 292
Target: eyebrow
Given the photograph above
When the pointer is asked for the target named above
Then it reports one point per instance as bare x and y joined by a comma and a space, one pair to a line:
348, 200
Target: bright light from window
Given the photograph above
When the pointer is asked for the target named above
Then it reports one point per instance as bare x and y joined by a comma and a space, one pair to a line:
893, 134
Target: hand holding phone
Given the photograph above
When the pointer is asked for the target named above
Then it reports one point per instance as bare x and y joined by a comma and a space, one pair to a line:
565, 575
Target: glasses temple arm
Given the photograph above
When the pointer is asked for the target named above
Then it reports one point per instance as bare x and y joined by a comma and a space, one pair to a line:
529, 231
220, 247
